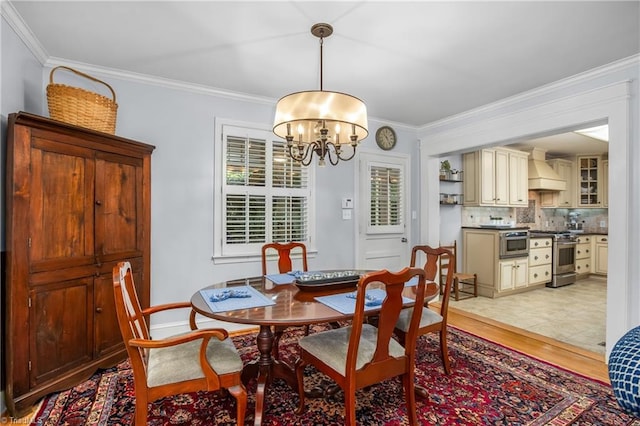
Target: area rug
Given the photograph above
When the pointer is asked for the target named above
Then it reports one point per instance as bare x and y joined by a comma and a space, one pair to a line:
489, 385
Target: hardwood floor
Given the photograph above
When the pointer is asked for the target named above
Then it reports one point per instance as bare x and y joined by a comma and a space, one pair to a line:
569, 357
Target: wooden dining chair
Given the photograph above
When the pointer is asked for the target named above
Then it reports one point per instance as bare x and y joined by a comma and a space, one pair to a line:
361, 354
465, 284
284, 251
431, 321
200, 360
285, 264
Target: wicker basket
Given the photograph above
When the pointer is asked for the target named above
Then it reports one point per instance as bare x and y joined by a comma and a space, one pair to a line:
81, 107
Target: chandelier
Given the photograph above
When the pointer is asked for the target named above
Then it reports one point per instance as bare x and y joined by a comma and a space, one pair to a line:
329, 124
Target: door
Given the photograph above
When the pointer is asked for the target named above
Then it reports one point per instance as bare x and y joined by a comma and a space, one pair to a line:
383, 212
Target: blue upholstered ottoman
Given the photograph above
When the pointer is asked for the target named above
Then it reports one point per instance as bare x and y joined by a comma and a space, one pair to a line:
624, 371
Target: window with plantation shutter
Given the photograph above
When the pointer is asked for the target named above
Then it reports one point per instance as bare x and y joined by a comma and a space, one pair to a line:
264, 195
386, 204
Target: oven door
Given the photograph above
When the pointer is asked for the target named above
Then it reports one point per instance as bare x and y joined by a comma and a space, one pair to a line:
564, 257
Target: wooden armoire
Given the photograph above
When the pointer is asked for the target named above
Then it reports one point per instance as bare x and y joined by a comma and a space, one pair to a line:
77, 202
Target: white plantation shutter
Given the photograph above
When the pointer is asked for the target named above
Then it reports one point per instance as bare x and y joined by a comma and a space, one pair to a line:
265, 194
385, 197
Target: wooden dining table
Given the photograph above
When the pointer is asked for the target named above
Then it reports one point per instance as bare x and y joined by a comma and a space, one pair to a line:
294, 305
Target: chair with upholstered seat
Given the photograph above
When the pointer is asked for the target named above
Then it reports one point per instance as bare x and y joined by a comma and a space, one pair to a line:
431, 321
465, 284
200, 360
360, 355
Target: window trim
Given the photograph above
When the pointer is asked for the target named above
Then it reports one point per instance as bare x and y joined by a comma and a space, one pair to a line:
248, 255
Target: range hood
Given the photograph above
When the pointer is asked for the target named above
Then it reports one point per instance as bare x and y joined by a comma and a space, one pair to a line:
541, 176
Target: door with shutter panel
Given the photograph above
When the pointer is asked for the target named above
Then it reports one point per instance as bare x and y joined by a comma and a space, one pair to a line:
383, 209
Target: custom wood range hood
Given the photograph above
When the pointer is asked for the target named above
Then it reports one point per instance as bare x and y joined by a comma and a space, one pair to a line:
541, 176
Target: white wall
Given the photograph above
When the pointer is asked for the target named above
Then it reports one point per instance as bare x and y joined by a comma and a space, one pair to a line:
609, 93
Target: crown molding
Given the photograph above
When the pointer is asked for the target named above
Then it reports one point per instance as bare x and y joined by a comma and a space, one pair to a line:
548, 89
15, 21
158, 81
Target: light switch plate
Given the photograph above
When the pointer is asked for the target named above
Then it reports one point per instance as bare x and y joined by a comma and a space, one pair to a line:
347, 203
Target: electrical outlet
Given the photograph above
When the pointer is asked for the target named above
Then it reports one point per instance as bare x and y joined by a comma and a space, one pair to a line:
603, 224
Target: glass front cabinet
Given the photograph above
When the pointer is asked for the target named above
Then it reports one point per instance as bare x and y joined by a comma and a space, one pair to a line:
589, 181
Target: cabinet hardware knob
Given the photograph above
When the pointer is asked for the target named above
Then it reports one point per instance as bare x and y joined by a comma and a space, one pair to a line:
535, 275
99, 310
535, 257
98, 203
546, 257
97, 274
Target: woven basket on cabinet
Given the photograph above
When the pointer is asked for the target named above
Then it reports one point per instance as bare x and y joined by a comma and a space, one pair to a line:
81, 107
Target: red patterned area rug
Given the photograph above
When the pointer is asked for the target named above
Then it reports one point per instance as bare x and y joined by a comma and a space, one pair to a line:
489, 385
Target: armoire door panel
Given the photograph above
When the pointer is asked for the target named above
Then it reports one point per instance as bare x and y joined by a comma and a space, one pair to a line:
60, 217
61, 328
118, 206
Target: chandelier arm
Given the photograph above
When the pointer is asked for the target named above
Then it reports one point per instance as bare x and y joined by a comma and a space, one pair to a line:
353, 152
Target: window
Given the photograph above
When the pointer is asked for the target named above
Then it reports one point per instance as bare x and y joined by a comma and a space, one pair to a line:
386, 187
264, 196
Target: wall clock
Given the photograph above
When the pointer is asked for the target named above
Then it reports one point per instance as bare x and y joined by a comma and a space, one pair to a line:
386, 138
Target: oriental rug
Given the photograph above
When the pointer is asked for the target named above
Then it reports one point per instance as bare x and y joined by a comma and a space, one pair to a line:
489, 385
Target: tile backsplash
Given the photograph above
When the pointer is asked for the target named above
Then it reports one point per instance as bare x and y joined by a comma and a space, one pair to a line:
535, 217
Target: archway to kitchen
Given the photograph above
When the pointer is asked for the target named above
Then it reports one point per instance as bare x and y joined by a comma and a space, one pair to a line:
525, 121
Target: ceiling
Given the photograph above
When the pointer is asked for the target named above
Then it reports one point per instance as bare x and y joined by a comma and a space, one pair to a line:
411, 62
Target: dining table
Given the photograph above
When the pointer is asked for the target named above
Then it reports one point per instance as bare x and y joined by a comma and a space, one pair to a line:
278, 301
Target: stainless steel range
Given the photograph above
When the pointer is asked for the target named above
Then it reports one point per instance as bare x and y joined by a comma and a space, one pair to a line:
563, 257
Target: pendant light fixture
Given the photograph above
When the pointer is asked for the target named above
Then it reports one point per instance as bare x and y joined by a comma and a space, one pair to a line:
329, 124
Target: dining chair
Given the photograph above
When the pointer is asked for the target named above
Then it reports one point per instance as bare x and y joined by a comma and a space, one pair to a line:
200, 360
464, 283
285, 264
430, 320
284, 250
361, 354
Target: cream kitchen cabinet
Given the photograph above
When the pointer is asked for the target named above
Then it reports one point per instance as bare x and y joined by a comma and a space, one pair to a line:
605, 183
540, 265
589, 181
496, 277
601, 254
561, 199
513, 274
583, 255
496, 177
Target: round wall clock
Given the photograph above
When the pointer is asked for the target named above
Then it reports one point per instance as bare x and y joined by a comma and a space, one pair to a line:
386, 138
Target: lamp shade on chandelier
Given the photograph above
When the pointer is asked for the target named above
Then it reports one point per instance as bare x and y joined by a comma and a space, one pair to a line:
327, 124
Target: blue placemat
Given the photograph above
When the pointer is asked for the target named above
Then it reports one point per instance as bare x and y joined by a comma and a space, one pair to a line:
255, 300
281, 278
413, 281
345, 304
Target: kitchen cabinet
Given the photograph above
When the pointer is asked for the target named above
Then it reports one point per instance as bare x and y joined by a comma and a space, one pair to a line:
540, 265
78, 201
496, 277
513, 274
496, 177
583, 255
566, 198
589, 181
605, 183
601, 254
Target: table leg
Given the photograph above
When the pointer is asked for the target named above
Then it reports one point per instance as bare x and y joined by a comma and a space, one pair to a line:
266, 368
